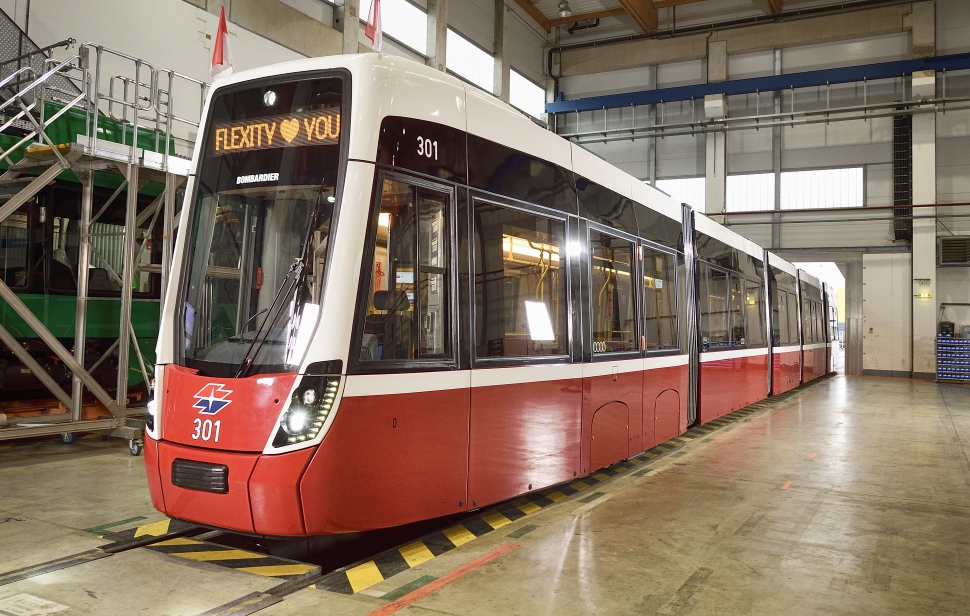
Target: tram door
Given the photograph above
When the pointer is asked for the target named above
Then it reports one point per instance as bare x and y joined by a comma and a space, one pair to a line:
614, 379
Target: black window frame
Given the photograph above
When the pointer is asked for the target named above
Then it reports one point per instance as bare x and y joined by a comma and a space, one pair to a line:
393, 366
677, 257
476, 196
592, 225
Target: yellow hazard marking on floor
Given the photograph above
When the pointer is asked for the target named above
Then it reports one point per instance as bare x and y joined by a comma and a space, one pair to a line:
554, 495
362, 576
601, 477
636, 461
458, 534
578, 485
650, 455
526, 507
685, 439
155, 529
663, 448
178, 541
416, 553
219, 555
278, 570
496, 520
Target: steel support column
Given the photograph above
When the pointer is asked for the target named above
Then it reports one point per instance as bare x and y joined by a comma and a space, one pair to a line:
83, 271
127, 277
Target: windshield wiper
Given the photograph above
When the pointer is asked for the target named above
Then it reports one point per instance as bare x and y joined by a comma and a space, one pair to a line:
296, 274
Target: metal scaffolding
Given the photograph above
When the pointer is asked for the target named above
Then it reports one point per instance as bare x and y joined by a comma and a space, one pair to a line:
142, 101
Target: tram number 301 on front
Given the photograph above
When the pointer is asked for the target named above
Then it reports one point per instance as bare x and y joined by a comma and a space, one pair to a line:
427, 148
206, 430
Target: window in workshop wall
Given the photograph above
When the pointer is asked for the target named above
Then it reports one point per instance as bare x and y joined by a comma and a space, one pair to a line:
686, 190
751, 192
525, 95
469, 61
822, 188
405, 23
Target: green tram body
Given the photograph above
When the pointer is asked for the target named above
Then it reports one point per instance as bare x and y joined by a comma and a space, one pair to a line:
38, 246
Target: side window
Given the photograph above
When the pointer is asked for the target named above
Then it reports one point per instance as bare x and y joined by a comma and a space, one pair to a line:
520, 284
660, 302
14, 240
408, 303
737, 312
613, 311
779, 325
807, 321
793, 318
714, 309
755, 309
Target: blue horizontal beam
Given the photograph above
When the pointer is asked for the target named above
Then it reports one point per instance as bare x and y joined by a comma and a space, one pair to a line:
771, 83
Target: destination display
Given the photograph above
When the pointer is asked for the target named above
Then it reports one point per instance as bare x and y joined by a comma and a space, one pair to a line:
318, 127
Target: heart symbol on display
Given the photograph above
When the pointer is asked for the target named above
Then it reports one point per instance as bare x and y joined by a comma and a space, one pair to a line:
289, 129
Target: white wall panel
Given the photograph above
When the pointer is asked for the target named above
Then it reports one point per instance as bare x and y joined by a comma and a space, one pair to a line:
601, 84
527, 54
748, 151
679, 157
886, 310
747, 65
846, 53
682, 73
879, 184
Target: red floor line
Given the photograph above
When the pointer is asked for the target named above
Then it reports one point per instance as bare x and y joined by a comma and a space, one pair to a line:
444, 580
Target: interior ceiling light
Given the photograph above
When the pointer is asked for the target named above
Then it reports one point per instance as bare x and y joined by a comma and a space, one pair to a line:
564, 10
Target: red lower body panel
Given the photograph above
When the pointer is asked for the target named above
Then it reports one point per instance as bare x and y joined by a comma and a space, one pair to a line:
152, 473
730, 384
523, 435
785, 374
664, 404
816, 363
274, 493
389, 460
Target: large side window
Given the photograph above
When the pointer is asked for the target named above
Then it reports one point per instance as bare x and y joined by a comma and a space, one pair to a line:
408, 306
520, 283
613, 307
660, 300
714, 309
737, 312
14, 240
755, 309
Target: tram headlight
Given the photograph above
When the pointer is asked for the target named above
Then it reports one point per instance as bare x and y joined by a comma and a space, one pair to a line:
309, 408
150, 422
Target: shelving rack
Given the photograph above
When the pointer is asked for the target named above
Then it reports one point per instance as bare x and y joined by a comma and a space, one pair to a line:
952, 359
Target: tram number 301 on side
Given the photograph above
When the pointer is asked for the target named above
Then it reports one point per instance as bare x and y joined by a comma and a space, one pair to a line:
427, 148
206, 430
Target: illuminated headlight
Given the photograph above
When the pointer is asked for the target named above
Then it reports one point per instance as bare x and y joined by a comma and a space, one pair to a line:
309, 408
150, 422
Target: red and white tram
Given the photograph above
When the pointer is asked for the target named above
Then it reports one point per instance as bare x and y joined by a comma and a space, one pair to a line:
396, 298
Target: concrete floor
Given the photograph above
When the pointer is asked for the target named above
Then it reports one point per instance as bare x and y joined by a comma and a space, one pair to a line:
850, 498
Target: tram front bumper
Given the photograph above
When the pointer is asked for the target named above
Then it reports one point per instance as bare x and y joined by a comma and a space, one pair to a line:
246, 492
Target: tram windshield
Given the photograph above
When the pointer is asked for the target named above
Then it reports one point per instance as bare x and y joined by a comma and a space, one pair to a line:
256, 255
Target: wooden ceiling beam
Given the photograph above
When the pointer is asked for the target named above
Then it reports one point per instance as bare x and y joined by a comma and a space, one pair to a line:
662, 4
535, 14
643, 12
562, 21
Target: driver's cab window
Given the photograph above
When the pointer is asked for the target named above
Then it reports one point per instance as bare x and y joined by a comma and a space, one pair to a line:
407, 314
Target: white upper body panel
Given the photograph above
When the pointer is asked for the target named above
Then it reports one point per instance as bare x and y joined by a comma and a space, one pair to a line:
809, 279
656, 201
703, 224
595, 169
776, 261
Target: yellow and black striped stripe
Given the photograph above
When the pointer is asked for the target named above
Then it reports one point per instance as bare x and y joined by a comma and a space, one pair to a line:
212, 553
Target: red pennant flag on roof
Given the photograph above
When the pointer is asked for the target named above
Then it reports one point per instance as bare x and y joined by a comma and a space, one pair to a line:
373, 29
221, 54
